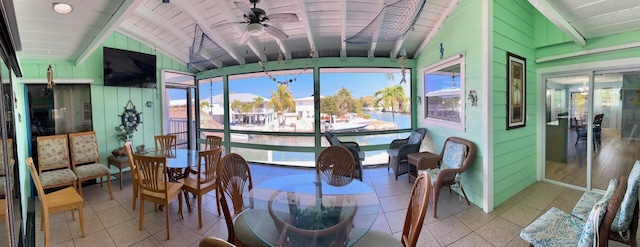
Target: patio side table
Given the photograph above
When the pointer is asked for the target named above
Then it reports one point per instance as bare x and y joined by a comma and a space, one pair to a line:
120, 162
421, 161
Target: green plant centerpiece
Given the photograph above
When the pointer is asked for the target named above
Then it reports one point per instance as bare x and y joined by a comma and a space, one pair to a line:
322, 223
123, 134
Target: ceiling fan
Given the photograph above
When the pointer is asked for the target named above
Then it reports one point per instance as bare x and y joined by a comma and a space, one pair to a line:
257, 21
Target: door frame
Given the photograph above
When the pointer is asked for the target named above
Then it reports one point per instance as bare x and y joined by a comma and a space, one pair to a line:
190, 90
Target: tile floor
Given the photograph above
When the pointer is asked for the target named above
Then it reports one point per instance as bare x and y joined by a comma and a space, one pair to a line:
114, 223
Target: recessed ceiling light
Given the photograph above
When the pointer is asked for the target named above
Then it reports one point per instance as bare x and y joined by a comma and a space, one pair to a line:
62, 8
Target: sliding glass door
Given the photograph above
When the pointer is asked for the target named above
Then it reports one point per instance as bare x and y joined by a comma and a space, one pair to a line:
592, 125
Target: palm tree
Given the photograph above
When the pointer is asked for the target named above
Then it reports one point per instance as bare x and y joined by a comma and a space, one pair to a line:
390, 97
258, 102
236, 105
281, 100
204, 105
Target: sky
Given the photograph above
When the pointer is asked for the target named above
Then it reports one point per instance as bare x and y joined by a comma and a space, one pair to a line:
360, 84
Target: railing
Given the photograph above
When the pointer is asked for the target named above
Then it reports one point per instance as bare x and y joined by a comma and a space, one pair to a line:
178, 127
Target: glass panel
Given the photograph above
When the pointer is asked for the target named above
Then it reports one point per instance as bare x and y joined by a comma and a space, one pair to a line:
178, 120
211, 103
277, 157
614, 144
274, 101
297, 141
442, 93
365, 99
565, 147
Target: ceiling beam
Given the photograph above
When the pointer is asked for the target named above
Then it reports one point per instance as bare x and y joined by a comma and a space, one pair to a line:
372, 49
307, 25
141, 35
159, 21
343, 32
437, 26
552, 14
396, 47
213, 35
225, 9
124, 11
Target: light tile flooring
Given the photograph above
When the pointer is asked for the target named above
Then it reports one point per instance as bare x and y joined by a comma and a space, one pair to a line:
114, 223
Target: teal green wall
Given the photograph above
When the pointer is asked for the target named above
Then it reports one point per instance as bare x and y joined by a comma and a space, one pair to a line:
461, 32
546, 32
107, 102
514, 151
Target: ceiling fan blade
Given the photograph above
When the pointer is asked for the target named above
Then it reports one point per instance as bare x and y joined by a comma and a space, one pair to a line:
245, 9
275, 32
244, 38
227, 24
283, 17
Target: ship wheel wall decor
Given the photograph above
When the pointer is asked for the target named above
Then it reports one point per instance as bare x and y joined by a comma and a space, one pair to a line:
130, 118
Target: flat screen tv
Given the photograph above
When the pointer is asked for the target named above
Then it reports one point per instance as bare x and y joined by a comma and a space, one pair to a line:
124, 68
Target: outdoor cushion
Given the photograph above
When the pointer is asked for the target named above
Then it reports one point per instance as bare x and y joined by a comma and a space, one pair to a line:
585, 204
53, 154
555, 228
625, 214
57, 177
91, 170
414, 138
595, 217
454, 155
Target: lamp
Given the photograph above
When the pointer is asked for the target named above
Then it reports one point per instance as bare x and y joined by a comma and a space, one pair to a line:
255, 29
62, 8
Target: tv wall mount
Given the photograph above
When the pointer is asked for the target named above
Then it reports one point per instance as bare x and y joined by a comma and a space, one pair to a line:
130, 118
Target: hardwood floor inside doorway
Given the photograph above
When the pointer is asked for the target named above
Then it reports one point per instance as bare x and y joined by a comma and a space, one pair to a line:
615, 159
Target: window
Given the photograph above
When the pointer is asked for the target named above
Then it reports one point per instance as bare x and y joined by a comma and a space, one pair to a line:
444, 93
365, 99
211, 103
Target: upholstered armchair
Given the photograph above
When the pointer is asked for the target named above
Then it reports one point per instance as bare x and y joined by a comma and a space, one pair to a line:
353, 147
455, 158
400, 148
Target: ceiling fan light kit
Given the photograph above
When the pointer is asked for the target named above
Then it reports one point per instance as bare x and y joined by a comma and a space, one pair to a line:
255, 29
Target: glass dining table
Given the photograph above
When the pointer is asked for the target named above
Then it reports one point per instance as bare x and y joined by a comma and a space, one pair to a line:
306, 210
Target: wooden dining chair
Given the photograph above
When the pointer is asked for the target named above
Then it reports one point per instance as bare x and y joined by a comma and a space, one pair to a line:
212, 142
155, 186
205, 181
54, 168
234, 179
336, 165
166, 142
85, 159
412, 222
59, 201
134, 172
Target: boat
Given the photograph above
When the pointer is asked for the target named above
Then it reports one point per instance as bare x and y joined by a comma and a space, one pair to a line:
354, 124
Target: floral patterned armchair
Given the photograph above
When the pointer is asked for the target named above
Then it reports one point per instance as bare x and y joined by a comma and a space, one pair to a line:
85, 159
53, 162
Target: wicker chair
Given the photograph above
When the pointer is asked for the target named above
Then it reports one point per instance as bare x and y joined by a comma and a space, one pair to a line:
400, 148
456, 156
54, 166
353, 147
412, 223
234, 178
205, 181
336, 164
214, 242
85, 159
557, 228
154, 185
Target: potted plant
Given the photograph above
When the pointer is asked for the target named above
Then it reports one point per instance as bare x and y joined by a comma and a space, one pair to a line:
124, 135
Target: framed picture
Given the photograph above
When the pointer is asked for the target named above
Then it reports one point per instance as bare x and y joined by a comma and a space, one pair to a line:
516, 91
